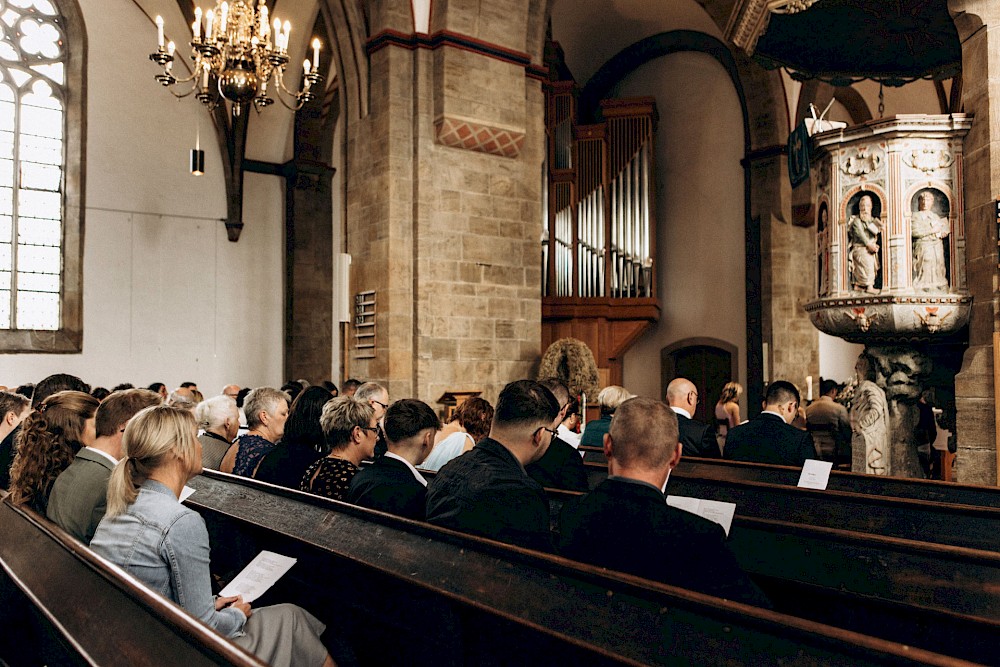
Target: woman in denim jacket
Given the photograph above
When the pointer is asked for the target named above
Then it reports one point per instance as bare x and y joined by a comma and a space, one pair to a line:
153, 537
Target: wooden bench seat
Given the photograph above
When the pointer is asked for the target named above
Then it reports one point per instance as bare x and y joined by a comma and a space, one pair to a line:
922, 489
455, 590
89, 612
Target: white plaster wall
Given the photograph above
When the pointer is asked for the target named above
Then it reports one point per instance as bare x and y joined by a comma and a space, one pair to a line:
837, 357
166, 296
700, 211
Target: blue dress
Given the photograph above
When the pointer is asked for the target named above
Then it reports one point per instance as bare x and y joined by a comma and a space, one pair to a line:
252, 449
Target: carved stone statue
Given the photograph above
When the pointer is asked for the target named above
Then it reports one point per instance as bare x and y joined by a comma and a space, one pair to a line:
869, 422
927, 229
862, 232
902, 371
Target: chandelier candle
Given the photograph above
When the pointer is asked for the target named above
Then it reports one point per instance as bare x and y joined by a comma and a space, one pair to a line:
235, 59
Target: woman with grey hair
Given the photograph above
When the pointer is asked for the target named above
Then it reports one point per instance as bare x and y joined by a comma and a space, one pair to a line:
609, 399
350, 430
219, 419
267, 411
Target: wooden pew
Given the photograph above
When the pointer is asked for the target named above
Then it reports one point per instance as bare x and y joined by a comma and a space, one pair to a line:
937, 597
89, 612
440, 597
914, 518
907, 518
922, 489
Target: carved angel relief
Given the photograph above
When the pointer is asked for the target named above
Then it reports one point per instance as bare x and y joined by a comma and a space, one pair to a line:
928, 159
931, 320
864, 162
863, 320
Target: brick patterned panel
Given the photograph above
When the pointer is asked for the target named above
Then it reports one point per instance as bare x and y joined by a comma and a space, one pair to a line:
473, 136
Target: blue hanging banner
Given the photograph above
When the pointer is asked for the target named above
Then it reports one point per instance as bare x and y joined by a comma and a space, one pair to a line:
798, 155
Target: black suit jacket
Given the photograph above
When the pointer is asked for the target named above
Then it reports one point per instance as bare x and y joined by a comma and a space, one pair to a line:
389, 486
768, 439
697, 439
627, 526
561, 467
486, 492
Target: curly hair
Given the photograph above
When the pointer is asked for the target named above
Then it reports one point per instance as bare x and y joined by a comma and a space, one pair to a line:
50, 437
475, 415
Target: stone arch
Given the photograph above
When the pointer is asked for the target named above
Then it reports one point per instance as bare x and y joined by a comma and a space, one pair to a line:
765, 131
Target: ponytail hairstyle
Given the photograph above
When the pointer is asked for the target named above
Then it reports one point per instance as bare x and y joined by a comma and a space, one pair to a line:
731, 392
49, 439
152, 439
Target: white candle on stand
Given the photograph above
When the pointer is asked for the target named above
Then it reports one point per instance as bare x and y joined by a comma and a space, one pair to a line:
284, 39
316, 55
809, 387
197, 23
305, 66
223, 17
265, 27
209, 24
159, 31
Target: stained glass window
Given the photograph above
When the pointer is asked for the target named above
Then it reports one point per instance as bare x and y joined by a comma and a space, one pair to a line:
32, 164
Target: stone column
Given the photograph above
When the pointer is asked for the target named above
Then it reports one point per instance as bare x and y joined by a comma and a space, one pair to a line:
444, 199
978, 23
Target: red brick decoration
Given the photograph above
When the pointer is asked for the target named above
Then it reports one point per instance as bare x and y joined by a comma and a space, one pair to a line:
473, 136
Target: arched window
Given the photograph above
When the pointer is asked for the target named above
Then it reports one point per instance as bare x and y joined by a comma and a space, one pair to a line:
41, 135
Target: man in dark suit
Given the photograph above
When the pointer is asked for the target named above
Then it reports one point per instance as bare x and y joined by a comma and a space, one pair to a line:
561, 467
696, 438
486, 490
625, 523
770, 438
392, 483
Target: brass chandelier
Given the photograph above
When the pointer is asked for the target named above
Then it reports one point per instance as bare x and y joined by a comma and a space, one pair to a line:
236, 53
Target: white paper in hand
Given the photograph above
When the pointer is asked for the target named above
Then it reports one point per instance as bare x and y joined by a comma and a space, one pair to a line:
713, 510
258, 576
815, 474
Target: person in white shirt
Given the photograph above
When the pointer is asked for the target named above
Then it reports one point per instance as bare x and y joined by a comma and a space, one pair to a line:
392, 483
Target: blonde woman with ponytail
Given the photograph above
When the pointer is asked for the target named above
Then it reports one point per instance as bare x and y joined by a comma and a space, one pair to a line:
153, 537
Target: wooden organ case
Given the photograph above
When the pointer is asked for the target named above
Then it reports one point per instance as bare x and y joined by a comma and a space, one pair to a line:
599, 249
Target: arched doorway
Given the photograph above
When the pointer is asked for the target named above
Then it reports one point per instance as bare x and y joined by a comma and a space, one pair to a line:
709, 363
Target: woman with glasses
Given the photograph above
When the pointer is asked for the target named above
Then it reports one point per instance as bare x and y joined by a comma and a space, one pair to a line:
350, 430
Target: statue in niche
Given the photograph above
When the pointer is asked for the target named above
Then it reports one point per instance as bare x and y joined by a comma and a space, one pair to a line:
869, 422
928, 229
863, 234
823, 252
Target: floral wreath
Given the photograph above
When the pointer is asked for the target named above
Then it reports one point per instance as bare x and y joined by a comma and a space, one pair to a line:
570, 360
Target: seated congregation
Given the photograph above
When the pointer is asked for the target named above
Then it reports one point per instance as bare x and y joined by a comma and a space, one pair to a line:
111, 472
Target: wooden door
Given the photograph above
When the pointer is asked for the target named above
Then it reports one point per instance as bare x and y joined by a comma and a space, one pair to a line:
707, 366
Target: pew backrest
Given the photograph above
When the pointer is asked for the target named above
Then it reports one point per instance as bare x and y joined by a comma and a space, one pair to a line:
99, 614
594, 614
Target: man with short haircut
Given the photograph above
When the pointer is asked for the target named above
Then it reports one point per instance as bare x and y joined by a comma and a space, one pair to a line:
182, 397
392, 483
13, 409
829, 424
350, 387
626, 525
486, 491
79, 495
376, 396
561, 467
770, 438
231, 390
50, 385
697, 439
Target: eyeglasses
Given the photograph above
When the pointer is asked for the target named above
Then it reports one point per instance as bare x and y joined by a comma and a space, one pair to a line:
384, 406
554, 433
373, 429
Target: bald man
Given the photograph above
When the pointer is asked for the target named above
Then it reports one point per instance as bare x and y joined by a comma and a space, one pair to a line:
626, 525
697, 439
